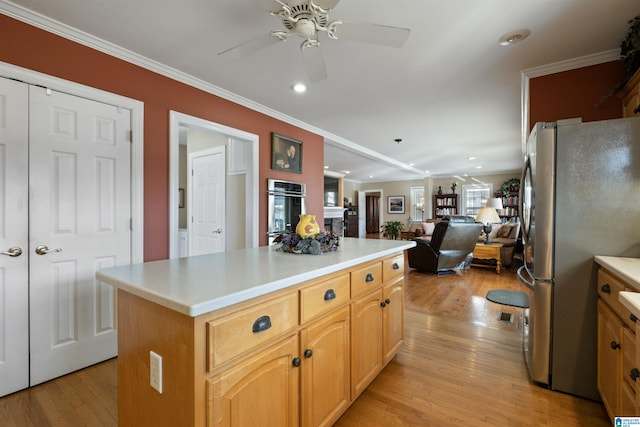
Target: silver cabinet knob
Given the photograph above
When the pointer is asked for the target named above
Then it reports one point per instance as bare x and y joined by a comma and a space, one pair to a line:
43, 250
15, 251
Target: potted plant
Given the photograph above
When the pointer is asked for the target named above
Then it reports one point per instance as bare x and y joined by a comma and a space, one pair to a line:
629, 55
512, 185
392, 229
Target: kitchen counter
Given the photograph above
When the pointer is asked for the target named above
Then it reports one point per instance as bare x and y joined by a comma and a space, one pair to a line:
627, 269
205, 283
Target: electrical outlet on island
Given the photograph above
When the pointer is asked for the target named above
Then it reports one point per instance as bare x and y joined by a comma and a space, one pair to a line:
155, 371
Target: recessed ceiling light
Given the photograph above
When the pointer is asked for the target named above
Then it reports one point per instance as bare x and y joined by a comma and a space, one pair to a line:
514, 37
370, 176
478, 167
326, 167
471, 158
299, 88
347, 172
411, 164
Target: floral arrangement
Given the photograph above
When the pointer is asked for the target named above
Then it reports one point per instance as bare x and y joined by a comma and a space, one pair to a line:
314, 245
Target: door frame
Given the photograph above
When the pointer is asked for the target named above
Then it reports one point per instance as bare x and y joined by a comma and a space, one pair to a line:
137, 138
177, 120
362, 210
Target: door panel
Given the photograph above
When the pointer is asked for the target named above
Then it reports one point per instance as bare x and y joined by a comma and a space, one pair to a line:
79, 193
207, 201
14, 285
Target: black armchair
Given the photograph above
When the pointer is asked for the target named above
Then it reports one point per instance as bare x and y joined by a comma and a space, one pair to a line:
450, 248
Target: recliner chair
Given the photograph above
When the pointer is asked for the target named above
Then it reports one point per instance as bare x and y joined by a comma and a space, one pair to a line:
450, 248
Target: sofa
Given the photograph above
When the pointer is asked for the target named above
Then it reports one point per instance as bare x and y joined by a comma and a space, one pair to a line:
449, 248
507, 234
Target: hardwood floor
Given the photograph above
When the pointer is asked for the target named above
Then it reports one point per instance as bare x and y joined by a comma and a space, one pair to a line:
460, 365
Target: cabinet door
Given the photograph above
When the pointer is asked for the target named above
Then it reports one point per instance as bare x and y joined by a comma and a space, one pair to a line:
609, 358
325, 369
366, 341
392, 319
261, 391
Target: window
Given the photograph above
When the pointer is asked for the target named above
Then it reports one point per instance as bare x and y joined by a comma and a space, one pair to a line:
417, 203
474, 197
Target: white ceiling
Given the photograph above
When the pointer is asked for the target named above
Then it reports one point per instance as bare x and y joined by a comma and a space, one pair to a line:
450, 93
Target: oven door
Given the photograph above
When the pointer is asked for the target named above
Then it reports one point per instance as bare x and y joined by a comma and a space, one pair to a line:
284, 213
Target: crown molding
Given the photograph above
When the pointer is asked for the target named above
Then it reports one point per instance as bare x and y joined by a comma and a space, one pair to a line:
572, 64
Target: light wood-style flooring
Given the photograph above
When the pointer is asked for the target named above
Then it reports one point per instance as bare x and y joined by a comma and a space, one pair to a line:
460, 366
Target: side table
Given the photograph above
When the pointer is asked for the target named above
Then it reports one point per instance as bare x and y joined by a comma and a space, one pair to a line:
490, 251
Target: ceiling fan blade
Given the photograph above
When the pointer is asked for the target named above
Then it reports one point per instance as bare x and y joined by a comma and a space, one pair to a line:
270, 5
313, 60
370, 33
326, 4
254, 45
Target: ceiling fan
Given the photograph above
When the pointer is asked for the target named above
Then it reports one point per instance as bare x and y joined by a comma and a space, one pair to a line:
308, 18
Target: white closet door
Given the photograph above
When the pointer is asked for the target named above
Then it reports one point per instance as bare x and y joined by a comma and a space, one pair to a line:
207, 201
14, 285
79, 195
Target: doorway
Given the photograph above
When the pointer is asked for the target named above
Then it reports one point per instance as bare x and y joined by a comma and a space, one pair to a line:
370, 214
241, 189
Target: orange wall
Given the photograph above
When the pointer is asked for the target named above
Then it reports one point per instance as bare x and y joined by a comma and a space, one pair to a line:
575, 93
38, 50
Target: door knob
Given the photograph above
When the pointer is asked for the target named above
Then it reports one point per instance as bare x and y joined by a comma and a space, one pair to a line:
43, 250
218, 231
15, 251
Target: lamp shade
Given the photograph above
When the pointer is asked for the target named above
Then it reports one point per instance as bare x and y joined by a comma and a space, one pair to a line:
488, 216
495, 203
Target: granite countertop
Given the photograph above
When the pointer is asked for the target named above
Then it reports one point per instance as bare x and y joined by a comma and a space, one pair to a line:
627, 269
201, 284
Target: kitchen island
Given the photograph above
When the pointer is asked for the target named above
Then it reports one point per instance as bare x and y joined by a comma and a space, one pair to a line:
256, 336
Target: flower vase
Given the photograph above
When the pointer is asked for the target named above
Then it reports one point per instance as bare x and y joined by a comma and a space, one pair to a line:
307, 227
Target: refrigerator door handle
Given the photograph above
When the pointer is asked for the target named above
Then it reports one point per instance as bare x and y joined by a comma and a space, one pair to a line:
522, 279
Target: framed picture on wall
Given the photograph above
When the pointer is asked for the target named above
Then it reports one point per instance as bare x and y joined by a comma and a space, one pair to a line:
286, 153
395, 204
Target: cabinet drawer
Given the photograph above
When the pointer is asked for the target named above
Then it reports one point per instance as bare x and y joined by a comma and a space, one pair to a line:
392, 267
628, 356
318, 299
238, 332
608, 289
365, 279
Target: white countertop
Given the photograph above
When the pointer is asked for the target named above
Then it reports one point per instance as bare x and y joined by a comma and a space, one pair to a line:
201, 284
627, 269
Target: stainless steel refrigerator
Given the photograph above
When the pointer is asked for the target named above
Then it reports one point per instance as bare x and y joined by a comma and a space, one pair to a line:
579, 197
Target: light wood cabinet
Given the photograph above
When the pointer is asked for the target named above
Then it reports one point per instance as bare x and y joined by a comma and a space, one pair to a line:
617, 349
261, 391
392, 319
631, 97
298, 356
609, 358
325, 384
366, 336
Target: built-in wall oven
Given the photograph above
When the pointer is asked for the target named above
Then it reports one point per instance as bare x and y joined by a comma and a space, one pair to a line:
286, 201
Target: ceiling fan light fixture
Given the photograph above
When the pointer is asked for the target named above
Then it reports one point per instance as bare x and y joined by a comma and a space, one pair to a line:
514, 37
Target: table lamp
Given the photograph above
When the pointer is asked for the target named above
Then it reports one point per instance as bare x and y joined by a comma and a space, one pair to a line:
488, 215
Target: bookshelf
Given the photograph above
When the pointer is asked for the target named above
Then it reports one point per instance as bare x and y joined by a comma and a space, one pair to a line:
510, 206
445, 204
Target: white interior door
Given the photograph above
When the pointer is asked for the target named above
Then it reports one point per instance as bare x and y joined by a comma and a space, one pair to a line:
79, 220
207, 201
14, 284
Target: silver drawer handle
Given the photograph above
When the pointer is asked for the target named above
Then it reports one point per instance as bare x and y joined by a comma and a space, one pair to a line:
15, 251
43, 250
